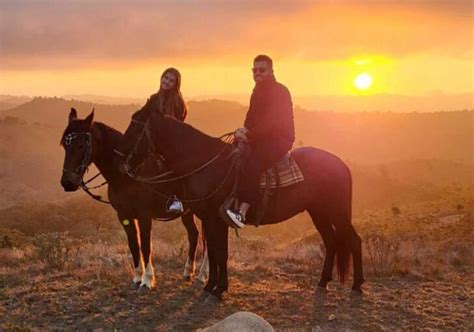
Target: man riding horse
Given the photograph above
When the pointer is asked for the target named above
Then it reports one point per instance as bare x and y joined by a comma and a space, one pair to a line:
269, 130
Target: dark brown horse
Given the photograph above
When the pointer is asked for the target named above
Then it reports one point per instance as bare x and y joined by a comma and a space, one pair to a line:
87, 142
326, 194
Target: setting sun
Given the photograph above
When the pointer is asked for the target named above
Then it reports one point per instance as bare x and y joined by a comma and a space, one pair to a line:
363, 81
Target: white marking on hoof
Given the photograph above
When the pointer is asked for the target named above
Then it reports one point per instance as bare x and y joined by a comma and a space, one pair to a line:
204, 270
188, 268
137, 274
149, 277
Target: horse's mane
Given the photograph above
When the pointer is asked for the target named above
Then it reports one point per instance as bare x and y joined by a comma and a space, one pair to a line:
109, 131
182, 143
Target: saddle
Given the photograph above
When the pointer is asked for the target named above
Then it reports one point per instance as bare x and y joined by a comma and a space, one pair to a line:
284, 173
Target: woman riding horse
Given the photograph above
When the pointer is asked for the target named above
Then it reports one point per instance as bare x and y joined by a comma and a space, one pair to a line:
169, 100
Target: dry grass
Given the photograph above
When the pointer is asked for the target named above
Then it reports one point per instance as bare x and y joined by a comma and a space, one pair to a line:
72, 277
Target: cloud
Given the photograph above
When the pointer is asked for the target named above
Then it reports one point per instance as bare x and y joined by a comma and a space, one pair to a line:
75, 34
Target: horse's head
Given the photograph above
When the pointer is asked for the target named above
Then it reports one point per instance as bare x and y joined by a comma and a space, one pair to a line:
77, 143
132, 148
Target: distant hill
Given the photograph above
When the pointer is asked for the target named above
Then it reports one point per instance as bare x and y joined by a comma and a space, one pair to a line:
365, 137
30, 162
8, 101
54, 112
106, 99
381, 137
435, 102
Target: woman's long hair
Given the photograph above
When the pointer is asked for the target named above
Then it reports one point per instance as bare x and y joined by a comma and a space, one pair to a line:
171, 102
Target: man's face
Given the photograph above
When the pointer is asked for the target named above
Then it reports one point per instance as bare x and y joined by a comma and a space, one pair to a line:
261, 71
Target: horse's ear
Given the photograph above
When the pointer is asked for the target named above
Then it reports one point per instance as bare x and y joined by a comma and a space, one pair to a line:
90, 117
72, 114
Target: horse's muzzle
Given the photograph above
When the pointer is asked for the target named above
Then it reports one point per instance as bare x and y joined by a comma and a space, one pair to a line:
68, 183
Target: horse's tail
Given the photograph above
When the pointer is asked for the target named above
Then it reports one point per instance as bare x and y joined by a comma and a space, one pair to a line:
343, 229
343, 254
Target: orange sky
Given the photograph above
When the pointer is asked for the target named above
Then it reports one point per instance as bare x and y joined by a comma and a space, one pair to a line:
121, 48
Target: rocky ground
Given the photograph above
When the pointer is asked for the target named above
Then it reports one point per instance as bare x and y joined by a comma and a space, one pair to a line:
418, 268
284, 295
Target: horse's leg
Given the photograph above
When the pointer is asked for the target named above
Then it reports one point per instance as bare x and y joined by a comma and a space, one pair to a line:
146, 248
204, 270
131, 229
356, 246
325, 228
193, 234
211, 250
221, 255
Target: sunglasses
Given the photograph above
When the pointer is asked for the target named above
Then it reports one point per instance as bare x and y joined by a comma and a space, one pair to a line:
259, 70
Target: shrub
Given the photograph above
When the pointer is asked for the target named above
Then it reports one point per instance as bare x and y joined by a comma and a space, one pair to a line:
6, 242
56, 249
383, 252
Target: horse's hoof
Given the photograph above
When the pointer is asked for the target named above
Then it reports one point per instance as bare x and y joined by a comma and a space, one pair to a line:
322, 289
143, 289
204, 295
135, 285
187, 278
213, 299
198, 284
357, 293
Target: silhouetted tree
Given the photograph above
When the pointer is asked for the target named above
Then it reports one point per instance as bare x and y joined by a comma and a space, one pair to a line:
396, 211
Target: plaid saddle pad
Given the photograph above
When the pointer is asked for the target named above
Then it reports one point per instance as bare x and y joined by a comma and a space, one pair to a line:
288, 171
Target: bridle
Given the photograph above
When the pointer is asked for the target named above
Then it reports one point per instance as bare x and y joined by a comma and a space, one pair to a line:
126, 168
86, 160
79, 171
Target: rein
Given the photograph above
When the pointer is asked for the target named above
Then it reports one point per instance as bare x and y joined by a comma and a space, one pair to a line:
158, 179
152, 180
207, 196
155, 179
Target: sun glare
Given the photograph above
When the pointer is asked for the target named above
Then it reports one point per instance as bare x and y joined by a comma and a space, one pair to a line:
363, 81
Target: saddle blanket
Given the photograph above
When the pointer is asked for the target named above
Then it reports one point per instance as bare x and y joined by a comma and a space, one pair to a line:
289, 173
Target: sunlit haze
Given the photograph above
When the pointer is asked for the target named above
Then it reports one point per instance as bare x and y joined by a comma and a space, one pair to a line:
55, 48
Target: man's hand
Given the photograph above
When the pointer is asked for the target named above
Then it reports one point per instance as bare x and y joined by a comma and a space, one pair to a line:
241, 133
242, 130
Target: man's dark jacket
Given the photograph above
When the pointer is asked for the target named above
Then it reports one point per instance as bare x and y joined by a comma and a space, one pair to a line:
271, 133
270, 115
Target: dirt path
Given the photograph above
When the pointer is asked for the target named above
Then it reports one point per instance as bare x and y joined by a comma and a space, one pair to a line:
286, 298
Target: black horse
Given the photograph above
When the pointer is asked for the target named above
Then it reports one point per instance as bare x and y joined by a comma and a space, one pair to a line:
87, 142
205, 164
